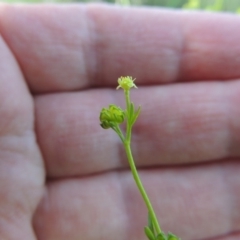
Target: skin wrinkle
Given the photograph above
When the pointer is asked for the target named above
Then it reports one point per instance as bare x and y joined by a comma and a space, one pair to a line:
232, 109
97, 46
229, 144
86, 50
91, 55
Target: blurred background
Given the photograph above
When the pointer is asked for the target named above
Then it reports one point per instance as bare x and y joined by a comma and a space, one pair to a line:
208, 5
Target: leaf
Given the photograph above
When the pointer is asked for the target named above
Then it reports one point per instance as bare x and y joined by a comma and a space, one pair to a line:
136, 114
131, 110
149, 233
172, 237
161, 236
150, 223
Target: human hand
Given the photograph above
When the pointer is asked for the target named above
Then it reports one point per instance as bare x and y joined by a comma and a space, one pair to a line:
58, 67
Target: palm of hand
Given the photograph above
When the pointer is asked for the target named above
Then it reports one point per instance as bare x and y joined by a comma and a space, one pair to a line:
49, 131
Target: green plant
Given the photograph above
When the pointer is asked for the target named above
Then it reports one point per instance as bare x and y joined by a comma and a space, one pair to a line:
112, 117
192, 4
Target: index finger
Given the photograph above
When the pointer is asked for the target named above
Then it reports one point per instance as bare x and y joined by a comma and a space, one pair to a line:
62, 48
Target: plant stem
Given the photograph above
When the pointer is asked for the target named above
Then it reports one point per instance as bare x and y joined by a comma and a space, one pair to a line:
140, 187
119, 132
136, 177
129, 127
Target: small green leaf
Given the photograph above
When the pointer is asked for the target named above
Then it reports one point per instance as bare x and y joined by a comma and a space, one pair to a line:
172, 237
161, 236
136, 114
150, 223
149, 233
131, 110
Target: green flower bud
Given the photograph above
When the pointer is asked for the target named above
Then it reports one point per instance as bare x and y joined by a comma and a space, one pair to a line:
126, 83
105, 125
111, 116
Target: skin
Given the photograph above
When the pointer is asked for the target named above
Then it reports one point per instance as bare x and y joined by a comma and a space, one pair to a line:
63, 177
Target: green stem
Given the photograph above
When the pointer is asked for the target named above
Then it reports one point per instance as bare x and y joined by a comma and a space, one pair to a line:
136, 177
128, 131
140, 187
119, 132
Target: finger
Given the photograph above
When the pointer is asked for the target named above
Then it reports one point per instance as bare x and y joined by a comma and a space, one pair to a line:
194, 202
21, 167
184, 123
76, 47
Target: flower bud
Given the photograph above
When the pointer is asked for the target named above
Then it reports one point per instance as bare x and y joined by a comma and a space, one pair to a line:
105, 125
111, 116
126, 83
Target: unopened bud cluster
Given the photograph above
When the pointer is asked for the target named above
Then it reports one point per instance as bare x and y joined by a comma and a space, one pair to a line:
111, 117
